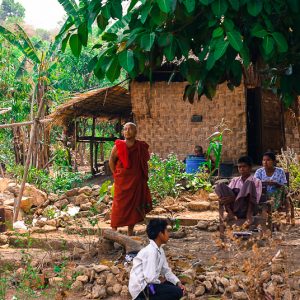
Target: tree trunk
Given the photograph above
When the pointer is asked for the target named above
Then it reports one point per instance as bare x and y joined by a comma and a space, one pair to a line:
129, 244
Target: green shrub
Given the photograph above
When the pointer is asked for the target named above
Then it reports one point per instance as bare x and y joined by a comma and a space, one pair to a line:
168, 178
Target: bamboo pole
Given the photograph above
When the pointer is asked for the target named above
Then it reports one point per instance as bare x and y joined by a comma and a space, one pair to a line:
75, 146
28, 159
92, 147
27, 123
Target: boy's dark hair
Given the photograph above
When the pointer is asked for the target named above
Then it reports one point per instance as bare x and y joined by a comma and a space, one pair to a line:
271, 155
246, 160
156, 226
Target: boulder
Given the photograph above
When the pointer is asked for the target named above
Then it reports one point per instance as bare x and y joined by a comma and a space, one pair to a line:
199, 205
202, 225
77, 286
115, 270
207, 284
3, 239
85, 190
56, 281
100, 268
240, 296
86, 206
61, 203
13, 188
38, 197
213, 197
117, 288
4, 182
72, 193
225, 282
81, 199
265, 276
82, 278
98, 291
200, 290
26, 203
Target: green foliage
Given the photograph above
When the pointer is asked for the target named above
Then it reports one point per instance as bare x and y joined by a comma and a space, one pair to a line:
225, 37
167, 178
104, 190
11, 9
215, 147
61, 180
3, 287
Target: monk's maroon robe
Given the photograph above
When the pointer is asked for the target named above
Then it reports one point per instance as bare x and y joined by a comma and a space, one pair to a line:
132, 199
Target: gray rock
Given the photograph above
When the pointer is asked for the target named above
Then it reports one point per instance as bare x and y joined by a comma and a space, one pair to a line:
85, 190
202, 225
239, 296
200, 290
208, 285
77, 286
100, 268
117, 288
98, 291
61, 203
82, 278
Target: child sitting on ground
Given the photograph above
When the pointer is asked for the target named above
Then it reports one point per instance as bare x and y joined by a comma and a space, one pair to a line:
150, 264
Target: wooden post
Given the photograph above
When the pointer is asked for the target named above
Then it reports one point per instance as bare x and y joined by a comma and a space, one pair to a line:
2, 171
26, 168
102, 151
92, 147
96, 157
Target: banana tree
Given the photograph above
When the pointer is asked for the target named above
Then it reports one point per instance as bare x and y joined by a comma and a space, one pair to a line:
40, 62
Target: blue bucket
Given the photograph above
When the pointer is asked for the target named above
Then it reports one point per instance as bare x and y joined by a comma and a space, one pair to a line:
193, 163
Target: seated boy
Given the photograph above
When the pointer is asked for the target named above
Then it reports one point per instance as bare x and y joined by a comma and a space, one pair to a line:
241, 196
150, 264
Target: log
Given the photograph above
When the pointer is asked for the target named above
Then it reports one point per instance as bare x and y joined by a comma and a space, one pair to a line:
129, 244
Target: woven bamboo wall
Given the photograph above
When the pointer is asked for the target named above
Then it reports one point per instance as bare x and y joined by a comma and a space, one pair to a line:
292, 137
164, 119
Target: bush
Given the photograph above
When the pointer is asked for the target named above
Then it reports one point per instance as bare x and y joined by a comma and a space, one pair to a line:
63, 178
168, 178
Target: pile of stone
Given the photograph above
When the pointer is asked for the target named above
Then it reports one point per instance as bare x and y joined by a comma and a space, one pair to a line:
271, 282
53, 210
59, 211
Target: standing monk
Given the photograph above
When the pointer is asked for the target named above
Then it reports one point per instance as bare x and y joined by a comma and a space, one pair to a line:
129, 164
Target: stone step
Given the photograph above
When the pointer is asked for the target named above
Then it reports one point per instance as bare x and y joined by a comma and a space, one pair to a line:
62, 242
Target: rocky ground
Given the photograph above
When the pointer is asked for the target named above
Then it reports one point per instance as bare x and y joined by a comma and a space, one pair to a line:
59, 251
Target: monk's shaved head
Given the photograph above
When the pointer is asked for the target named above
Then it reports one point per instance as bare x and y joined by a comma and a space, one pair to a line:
129, 131
130, 124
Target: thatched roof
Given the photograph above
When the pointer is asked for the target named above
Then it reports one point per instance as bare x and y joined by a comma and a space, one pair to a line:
111, 102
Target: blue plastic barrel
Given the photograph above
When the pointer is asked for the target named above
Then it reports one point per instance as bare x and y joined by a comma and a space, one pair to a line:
193, 163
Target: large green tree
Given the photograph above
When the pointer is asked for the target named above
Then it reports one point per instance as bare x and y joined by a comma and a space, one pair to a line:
11, 9
212, 41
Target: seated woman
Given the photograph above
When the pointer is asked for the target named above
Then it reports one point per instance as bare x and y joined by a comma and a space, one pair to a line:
240, 198
273, 177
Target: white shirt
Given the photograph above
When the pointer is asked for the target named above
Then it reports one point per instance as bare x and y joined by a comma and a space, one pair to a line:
148, 265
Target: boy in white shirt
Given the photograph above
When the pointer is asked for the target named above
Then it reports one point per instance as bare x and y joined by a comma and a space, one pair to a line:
150, 264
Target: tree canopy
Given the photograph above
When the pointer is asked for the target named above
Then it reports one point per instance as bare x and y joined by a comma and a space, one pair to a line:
212, 41
11, 9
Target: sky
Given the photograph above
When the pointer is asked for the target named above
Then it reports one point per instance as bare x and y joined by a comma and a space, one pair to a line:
42, 13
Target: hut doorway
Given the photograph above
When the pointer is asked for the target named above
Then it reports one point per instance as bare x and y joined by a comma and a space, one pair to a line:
265, 124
